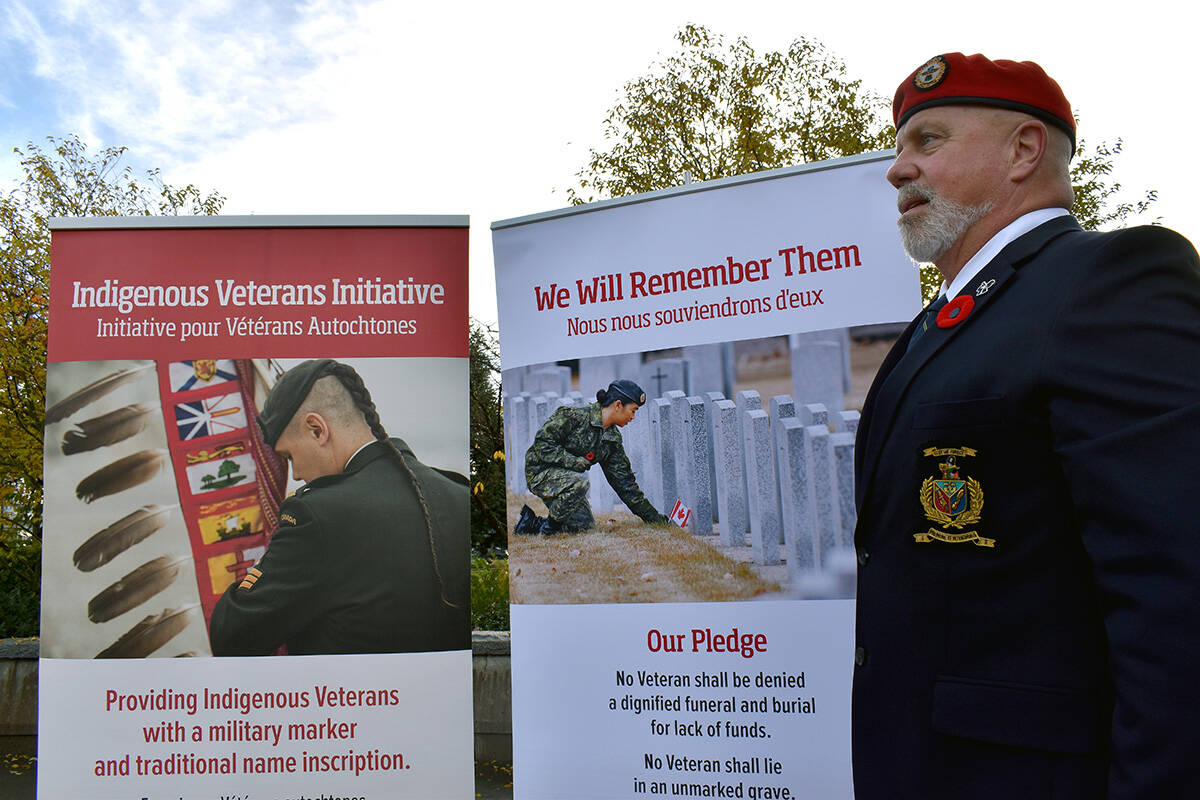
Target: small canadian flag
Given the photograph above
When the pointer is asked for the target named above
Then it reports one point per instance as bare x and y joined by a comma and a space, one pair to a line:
680, 514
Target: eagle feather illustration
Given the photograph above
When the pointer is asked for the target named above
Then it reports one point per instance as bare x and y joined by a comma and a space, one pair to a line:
103, 546
122, 474
115, 426
150, 634
135, 588
92, 392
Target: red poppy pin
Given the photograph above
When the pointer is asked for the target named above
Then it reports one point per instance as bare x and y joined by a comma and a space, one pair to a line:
955, 311
590, 456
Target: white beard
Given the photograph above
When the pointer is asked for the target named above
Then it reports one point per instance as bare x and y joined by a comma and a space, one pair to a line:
928, 236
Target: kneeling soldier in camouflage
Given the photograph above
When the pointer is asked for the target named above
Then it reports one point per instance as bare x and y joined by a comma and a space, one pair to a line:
567, 446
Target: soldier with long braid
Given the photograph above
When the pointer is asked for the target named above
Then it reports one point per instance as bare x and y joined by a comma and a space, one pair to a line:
371, 554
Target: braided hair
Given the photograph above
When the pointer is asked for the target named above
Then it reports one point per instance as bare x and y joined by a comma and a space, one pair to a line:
352, 382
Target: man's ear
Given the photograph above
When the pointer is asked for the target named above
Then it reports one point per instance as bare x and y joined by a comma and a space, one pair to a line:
1030, 142
314, 425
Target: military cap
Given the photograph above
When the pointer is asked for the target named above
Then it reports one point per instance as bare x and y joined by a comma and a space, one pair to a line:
956, 79
626, 391
287, 395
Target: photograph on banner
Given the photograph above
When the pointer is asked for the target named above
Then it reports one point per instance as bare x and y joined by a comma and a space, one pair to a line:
309, 507
194, 494
745, 414
683, 456
682, 373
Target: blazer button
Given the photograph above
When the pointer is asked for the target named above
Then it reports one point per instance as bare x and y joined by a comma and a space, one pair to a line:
860, 656
863, 556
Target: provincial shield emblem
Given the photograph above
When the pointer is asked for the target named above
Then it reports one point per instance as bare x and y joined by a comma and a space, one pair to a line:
205, 368
951, 499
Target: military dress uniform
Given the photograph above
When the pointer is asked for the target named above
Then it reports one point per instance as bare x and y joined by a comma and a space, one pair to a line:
350, 570
1029, 580
570, 442
1028, 543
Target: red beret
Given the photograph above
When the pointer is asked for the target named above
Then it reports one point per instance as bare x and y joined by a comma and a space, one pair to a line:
955, 79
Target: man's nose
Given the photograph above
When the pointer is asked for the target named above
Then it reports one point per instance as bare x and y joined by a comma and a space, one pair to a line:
901, 171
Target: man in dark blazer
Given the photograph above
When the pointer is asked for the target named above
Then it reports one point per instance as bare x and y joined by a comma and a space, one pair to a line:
371, 554
1028, 620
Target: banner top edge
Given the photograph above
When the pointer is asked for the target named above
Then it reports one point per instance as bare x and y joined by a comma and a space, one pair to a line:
264, 221
691, 188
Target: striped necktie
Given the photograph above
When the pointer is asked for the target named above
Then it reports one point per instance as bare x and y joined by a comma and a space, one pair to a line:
928, 320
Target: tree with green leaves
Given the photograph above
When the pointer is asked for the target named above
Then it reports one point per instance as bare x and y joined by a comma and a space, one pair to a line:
489, 526
715, 109
1096, 205
489, 518
62, 179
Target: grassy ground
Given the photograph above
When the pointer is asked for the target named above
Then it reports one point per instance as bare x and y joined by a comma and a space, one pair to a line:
18, 767
622, 561
493, 780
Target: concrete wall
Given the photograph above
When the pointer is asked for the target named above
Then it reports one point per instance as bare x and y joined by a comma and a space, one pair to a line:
492, 677
492, 686
18, 687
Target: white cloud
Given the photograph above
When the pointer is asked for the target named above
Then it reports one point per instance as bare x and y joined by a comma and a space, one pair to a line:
174, 80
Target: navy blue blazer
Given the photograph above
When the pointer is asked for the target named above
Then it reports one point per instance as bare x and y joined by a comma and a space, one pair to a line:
1028, 617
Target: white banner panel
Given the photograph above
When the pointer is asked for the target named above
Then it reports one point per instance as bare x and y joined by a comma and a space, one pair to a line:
644, 685
163, 497
800, 249
746, 700
303, 726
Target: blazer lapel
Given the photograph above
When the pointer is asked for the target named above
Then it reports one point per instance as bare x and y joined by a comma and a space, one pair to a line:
864, 442
899, 369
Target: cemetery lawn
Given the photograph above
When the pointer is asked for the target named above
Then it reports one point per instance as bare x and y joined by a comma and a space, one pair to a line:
623, 560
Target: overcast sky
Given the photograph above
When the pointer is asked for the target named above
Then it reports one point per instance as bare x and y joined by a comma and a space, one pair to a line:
488, 109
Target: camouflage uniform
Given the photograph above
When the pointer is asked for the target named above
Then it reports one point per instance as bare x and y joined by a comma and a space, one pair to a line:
557, 462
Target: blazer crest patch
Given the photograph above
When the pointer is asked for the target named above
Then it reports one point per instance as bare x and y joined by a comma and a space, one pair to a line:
952, 499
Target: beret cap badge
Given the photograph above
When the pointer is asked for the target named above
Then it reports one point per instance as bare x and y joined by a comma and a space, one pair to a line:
931, 73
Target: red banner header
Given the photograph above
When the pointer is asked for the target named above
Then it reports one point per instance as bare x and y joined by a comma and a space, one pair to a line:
258, 292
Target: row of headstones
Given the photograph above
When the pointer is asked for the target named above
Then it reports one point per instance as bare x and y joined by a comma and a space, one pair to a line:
819, 360
767, 477
774, 479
